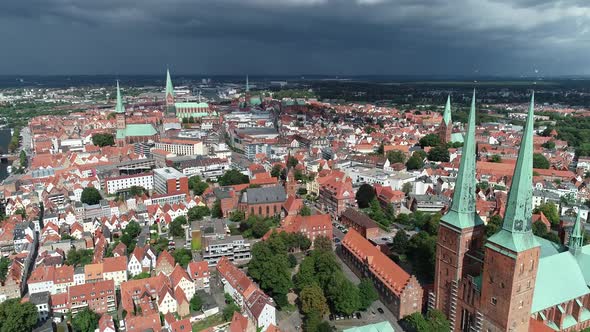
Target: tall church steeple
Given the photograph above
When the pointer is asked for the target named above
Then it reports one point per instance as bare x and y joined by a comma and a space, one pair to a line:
169, 95
247, 84
576, 240
516, 233
462, 213
446, 125
120, 110
447, 112
512, 255
460, 235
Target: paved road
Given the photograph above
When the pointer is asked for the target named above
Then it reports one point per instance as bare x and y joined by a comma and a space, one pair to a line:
289, 321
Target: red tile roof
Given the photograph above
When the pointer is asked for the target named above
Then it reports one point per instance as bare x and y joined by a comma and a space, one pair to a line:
235, 277
198, 269
382, 267
114, 264
143, 323
183, 325
238, 323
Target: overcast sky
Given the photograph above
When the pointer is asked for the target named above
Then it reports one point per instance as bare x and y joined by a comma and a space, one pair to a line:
339, 37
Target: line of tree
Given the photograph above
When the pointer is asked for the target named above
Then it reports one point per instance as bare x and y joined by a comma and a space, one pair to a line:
274, 251
323, 287
14, 140
435, 321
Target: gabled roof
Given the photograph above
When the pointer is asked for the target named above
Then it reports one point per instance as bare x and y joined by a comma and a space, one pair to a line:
114, 264
177, 274
382, 267
238, 323
274, 194
198, 269
257, 301
165, 257
359, 218
235, 277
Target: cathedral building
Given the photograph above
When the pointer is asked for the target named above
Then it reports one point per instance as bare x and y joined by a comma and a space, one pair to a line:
514, 280
199, 111
131, 133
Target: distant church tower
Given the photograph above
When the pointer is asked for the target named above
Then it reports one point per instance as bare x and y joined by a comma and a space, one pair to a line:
460, 233
170, 108
291, 183
512, 255
446, 126
120, 110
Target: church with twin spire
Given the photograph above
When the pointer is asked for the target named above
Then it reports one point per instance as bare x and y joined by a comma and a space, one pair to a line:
513, 280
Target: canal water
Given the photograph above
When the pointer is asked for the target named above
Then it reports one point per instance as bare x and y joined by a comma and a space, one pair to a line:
4, 141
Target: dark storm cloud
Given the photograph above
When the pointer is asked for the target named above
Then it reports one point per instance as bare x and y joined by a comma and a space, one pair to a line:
297, 36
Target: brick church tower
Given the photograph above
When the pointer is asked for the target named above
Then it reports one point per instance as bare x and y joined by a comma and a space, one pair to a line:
461, 231
446, 126
489, 287
512, 255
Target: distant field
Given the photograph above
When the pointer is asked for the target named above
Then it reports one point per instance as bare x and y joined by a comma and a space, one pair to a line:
485, 83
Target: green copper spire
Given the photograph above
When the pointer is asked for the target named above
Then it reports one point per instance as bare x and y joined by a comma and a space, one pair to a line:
462, 213
576, 240
169, 86
119, 108
447, 112
516, 233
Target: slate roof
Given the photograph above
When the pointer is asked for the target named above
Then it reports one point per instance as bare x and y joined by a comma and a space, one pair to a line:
274, 194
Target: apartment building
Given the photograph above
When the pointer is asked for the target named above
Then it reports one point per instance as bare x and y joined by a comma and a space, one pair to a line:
119, 183
168, 180
181, 147
234, 247
98, 297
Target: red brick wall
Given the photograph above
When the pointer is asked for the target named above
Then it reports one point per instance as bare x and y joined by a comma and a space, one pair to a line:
264, 210
507, 289
171, 185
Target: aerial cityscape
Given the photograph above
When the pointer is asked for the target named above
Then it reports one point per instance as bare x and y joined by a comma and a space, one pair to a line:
295, 165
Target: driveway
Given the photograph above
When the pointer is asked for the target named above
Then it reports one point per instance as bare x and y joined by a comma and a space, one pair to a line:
372, 315
289, 321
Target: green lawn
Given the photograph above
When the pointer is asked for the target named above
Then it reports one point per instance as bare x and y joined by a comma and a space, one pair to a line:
208, 322
196, 243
